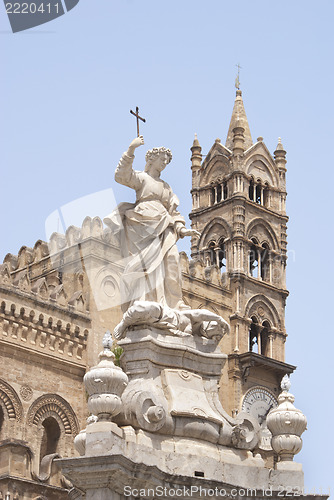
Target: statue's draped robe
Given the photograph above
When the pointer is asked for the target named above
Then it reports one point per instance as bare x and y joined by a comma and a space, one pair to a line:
147, 231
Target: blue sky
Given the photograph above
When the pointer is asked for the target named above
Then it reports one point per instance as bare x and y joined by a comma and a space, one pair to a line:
67, 88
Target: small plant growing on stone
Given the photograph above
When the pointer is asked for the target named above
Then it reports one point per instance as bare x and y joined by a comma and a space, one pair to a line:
117, 350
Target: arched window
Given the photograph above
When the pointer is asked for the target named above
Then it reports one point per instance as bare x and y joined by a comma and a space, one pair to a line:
50, 437
259, 337
258, 194
253, 336
225, 191
265, 270
222, 256
266, 195
212, 253
264, 339
254, 259
219, 193
251, 189
213, 196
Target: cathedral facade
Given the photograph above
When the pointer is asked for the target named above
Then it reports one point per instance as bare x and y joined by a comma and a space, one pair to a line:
58, 299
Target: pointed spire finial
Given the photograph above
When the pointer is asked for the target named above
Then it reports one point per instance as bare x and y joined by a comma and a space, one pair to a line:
280, 145
237, 80
196, 141
196, 154
280, 151
239, 119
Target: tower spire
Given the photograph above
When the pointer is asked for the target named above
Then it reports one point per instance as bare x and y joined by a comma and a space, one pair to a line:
237, 80
239, 119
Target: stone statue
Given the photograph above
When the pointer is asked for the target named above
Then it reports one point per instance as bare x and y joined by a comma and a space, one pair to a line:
182, 323
148, 231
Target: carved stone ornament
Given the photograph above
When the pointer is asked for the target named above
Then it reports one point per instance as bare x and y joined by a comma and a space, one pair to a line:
26, 392
11, 401
286, 424
53, 404
105, 384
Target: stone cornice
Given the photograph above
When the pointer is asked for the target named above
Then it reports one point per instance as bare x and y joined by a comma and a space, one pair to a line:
240, 198
17, 296
40, 357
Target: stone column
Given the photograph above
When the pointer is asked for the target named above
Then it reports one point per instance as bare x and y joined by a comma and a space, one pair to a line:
238, 299
217, 255
258, 331
259, 265
242, 258
270, 264
270, 339
236, 348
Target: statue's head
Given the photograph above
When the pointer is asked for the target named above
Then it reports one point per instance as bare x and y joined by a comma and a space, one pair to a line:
158, 157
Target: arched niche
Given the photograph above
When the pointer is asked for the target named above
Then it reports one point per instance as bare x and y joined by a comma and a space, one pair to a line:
215, 230
53, 405
261, 169
260, 308
217, 168
263, 232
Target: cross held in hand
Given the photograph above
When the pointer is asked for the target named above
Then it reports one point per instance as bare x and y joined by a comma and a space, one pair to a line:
136, 114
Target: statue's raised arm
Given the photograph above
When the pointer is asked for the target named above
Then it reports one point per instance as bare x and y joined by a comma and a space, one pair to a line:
124, 173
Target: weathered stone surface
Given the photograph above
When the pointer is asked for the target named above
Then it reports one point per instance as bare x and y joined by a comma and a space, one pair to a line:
58, 299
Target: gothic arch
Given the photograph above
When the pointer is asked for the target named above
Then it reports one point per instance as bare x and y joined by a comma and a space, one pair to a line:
269, 237
269, 169
10, 401
263, 310
218, 164
52, 405
210, 232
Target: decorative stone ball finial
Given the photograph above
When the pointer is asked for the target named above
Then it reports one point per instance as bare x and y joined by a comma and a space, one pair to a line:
107, 341
285, 383
286, 424
105, 383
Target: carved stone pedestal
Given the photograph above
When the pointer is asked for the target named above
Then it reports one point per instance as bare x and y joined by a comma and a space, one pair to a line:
171, 428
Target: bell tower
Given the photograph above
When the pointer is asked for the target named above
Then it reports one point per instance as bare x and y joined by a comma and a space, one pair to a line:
238, 206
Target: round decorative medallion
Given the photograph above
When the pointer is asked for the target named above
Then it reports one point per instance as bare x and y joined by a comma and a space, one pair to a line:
109, 286
26, 392
260, 310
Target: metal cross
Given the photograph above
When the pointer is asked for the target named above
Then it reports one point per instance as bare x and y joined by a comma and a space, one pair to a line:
237, 80
136, 114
